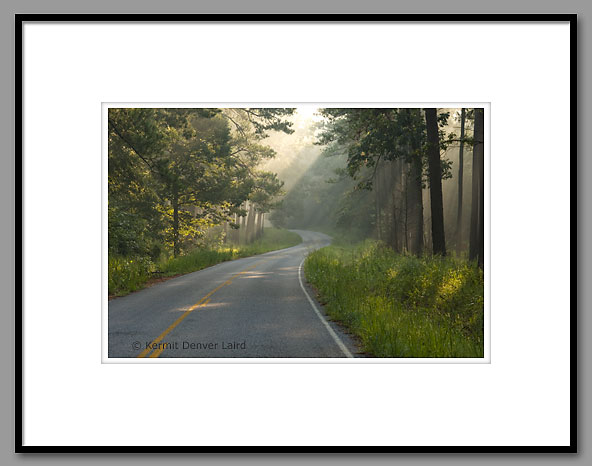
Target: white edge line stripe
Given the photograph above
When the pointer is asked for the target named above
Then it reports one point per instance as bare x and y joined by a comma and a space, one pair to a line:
342, 347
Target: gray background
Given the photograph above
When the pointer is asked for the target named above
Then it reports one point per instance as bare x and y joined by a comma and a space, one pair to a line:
7, 182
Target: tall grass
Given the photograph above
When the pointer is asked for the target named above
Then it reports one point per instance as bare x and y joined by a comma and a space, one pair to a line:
401, 306
130, 274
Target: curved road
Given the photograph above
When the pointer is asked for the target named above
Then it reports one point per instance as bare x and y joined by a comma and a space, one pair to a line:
256, 307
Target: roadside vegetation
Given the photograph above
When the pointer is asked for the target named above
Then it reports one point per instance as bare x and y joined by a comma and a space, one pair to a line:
401, 306
187, 188
127, 274
401, 190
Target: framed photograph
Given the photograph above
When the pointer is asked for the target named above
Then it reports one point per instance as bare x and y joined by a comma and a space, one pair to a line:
207, 236
310, 232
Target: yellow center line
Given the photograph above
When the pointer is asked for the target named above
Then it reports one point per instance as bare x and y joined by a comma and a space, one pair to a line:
161, 348
202, 302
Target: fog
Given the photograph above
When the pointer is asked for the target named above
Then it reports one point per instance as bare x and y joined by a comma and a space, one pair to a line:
295, 152
321, 196
186, 178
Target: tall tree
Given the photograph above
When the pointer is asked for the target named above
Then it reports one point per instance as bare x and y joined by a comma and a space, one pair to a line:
250, 232
460, 183
396, 209
174, 173
185, 154
267, 188
259, 228
197, 176
250, 126
243, 228
415, 181
474, 225
435, 177
133, 220
379, 187
476, 245
370, 136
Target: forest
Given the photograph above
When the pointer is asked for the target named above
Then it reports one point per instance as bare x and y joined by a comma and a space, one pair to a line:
183, 182
402, 176
400, 190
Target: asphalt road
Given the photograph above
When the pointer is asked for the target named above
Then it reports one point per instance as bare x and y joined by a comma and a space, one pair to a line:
256, 307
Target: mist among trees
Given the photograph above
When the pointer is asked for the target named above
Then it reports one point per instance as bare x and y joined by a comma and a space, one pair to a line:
177, 174
409, 177
400, 191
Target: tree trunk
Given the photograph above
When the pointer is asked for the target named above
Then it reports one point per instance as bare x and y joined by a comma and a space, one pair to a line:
250, 223
402, 208
477, 248
396, 176
258, 229
377, 204
481, 237
235, 232
405, 201
460, 184
242, 231
477, 195
415, 206
385, 199
427, 221
435, 175
175, 203
414, 203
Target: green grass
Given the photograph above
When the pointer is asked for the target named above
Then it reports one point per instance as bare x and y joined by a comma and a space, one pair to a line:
128, 274
131, 274
401, 306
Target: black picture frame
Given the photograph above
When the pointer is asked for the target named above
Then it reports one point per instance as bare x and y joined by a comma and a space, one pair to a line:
20, 19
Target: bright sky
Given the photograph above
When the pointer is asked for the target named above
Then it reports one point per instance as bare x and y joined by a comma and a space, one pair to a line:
307, 114
294, 152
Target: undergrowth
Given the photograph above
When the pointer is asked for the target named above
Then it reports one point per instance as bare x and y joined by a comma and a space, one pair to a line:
127, 274
401, 306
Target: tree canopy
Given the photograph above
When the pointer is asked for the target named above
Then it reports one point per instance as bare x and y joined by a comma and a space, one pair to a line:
175, 172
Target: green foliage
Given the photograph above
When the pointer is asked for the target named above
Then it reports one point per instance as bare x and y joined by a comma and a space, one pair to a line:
369, 135
175, 173
269, 119
267, 188
130, 274
272, 240
198, 259
401, 306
